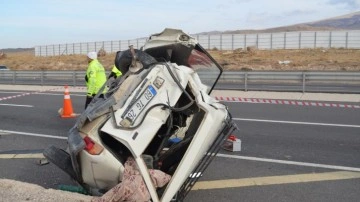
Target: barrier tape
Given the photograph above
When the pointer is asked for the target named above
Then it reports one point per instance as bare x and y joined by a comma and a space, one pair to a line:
30, 93
229, 99
80, 88
285, 102
37, 92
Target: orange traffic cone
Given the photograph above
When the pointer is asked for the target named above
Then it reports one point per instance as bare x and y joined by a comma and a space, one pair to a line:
67, 110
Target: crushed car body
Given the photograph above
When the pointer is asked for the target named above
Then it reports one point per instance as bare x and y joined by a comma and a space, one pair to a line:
159, 113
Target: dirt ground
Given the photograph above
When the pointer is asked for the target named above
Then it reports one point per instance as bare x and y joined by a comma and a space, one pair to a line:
246, 60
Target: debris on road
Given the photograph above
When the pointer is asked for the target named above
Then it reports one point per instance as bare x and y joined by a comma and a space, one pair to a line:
42, 162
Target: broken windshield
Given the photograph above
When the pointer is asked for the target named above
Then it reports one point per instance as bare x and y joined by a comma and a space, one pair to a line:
207, 68
175, 46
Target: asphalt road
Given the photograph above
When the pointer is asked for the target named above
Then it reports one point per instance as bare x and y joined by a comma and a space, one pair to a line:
289, 152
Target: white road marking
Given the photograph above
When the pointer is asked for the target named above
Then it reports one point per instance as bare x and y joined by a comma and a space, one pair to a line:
12, 92
219, 155
13, 105
316, 165
300, 123
33, 134
22, 156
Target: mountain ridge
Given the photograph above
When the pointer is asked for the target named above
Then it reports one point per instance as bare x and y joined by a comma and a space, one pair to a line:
349, 21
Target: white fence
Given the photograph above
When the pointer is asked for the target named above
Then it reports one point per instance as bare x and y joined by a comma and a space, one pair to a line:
349, 39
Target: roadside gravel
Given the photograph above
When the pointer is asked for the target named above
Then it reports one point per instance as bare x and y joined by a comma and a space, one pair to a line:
11, 190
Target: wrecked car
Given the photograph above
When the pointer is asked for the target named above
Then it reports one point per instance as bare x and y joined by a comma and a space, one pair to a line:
159, 114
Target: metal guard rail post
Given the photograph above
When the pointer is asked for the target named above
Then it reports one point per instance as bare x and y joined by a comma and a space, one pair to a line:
293, 81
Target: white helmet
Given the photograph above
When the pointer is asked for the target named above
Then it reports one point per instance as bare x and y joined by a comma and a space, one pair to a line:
92, 55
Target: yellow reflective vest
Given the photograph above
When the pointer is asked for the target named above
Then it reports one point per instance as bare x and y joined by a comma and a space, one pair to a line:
95, 77
116, 71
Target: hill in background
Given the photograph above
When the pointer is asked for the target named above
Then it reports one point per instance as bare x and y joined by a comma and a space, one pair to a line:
349, 22
345, 22
299, 60
16, 50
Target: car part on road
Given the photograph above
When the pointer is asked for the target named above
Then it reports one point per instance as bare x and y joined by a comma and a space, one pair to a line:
42, 162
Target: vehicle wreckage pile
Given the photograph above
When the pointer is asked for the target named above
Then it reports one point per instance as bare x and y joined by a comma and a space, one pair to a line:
155, 130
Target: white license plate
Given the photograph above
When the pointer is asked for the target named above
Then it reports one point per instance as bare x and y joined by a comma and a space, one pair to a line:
140, 104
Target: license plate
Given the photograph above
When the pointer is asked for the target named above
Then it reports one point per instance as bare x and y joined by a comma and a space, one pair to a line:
140, 104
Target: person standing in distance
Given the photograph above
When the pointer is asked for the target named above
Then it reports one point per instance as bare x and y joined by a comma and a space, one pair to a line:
115, 72
95, 77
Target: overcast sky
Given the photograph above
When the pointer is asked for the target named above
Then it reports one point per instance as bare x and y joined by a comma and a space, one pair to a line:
25, 23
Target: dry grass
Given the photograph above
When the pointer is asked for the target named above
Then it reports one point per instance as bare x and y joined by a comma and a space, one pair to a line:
301, 60
27, 61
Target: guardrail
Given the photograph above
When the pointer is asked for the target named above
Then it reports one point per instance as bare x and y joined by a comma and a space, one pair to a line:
336, 82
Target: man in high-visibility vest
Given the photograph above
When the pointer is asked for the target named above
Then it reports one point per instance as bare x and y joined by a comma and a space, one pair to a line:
95, 77
115, 72
124, 59
117, 69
